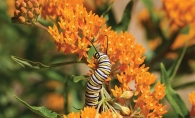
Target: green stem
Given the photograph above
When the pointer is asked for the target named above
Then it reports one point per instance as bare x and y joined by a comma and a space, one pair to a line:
66, 97
41, 26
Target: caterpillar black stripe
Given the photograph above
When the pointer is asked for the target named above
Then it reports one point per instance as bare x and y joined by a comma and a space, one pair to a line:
95, 82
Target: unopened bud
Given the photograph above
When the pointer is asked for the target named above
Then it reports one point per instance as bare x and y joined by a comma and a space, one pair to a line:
30, 14
127, 95
23, 4
125, 110
21, 19
35, 3
29, 4
16, 13
37, 11
23, 10
17, 4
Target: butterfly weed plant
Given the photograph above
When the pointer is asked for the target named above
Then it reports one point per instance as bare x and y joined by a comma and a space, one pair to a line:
82, 33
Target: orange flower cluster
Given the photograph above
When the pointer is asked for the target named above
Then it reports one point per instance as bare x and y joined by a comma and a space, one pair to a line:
74, 33
180, 12
90, 112
77, 28
52, 8
192, 101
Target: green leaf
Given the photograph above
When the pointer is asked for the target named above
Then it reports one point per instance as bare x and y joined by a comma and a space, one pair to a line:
105, 14
37, 65
171, 95
91, 52
42, 111
173, 69
185, 30
78, 78
126, 18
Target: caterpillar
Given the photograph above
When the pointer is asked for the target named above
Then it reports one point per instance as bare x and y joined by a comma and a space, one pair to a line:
96, 80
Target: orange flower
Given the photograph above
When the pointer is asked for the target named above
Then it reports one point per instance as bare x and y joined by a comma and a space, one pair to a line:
73, 115
192, 101
50, 8
117, 92
76, 29
108, 114
88, 112
180, 12
54, 101
183, 38
159, 91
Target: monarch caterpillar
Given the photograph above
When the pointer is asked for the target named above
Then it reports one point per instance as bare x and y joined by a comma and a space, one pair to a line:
96, 80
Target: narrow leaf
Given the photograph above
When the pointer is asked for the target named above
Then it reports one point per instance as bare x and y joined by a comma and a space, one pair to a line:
42, 111
37, 65
171, 95
78, 78
105, 14
173, 69
126, 18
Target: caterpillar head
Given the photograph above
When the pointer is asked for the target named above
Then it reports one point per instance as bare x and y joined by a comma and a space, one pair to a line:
96, 55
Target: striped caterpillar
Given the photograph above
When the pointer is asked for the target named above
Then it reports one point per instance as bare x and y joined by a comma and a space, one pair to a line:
96, 80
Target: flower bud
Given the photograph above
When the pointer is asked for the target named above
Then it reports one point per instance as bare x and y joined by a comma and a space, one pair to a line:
21, 19
125, 110
16, 13
17, 4
23, 10
23, 4
37, 11
35, 3
29, 4
127, 95
30, 14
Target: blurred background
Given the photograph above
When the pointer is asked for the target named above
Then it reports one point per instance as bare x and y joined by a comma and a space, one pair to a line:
54, 87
